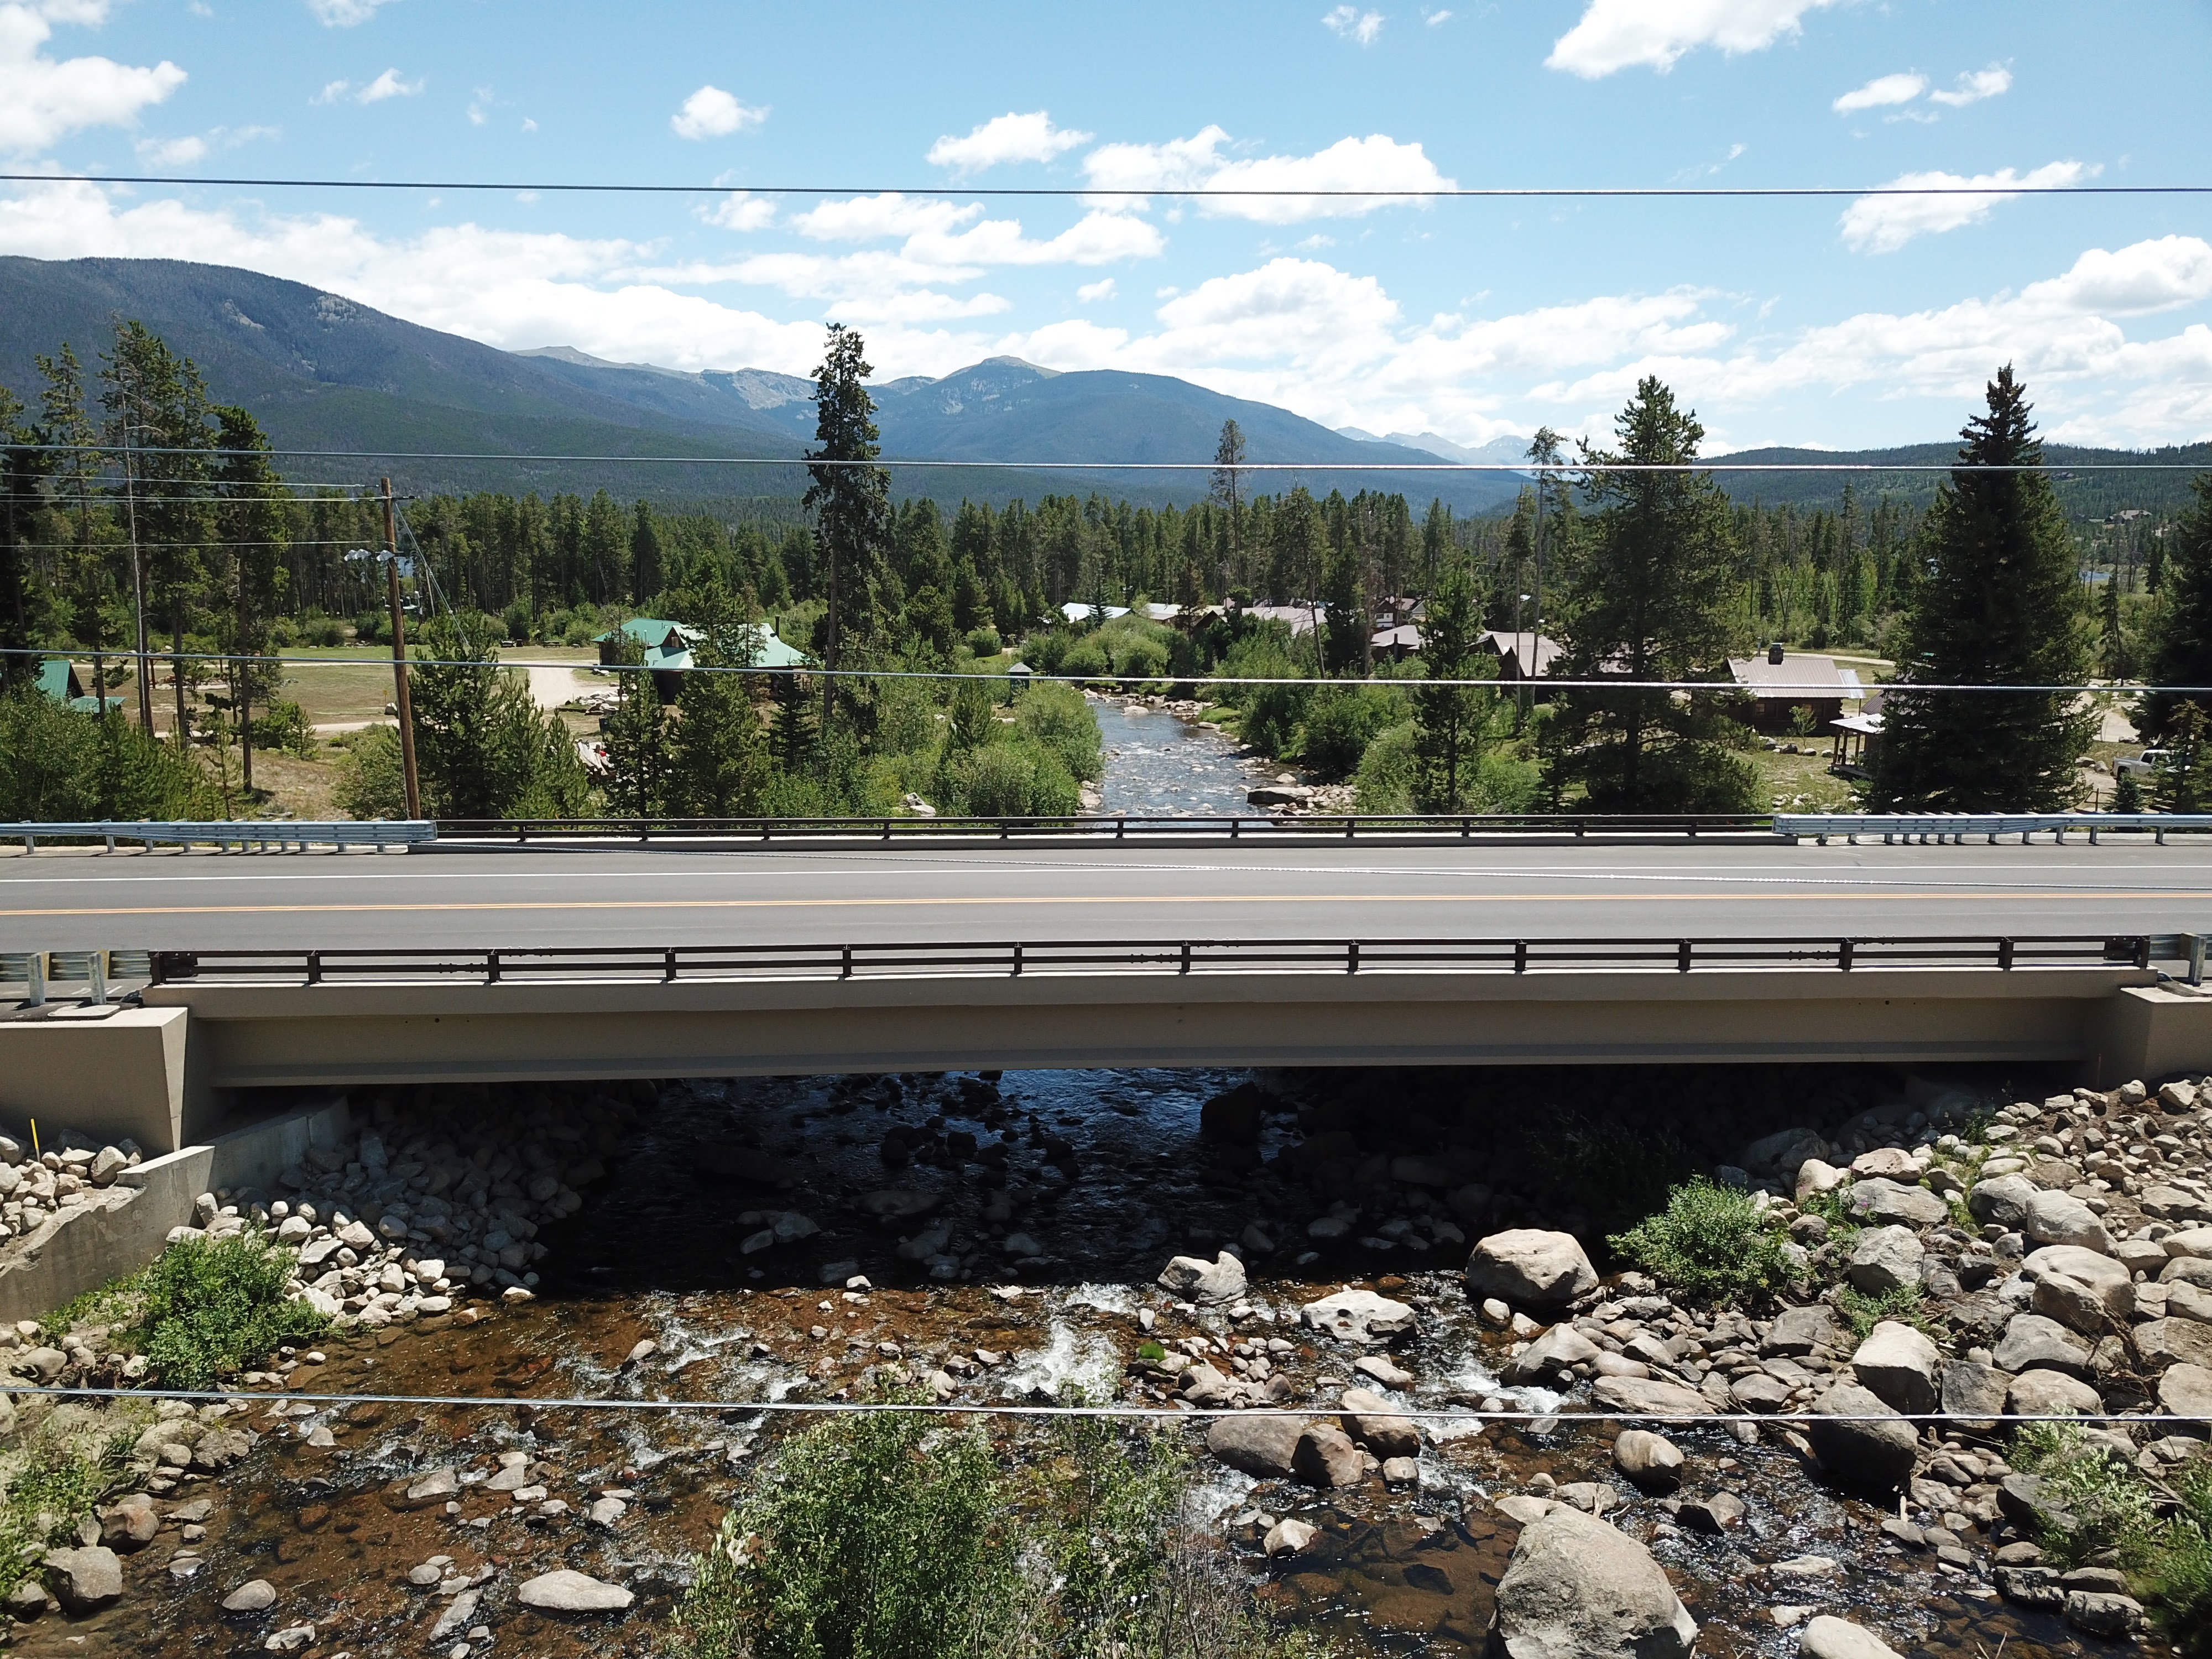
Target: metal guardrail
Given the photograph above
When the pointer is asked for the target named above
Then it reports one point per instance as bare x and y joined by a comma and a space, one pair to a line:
257, 833
1115, 828
674, 963
1955, 827
98, 971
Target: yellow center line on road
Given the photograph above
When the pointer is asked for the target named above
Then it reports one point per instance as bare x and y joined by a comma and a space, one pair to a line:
2101, 897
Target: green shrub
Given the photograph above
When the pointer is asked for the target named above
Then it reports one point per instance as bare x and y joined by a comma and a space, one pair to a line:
1389, 769
63, 1463
1340, 722
217, 1306
372, 780
892, 1536
283, 726
1057, 716
1141, 658
1902, 1306
1712, 1242
1086, 658
2104, 1503
1010, 781
2176, 1571
65, 765
983, 642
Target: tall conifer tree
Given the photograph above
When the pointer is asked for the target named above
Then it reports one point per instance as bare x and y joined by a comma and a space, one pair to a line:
850, 499
2182, 652
1998, 603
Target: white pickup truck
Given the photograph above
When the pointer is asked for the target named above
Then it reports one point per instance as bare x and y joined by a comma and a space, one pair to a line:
2150, 761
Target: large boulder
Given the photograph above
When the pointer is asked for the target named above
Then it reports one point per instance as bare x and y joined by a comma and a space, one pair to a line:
1529, 1267
566, 1590
1578, 1589
1796, 1332
2036, 1342
1887, 1203
1372, 1421
1974, 1393
1359, 1317
2002, 1201
1197, 1279
2185, 1390
2164, 1342
1325, 1456
1899, 1364
1550, 1356
1783, 1153
1859, 1442
1650, 1396
1827, 1637
2055, 1218
1652, 1462
2051, 1394
85, 1580
2080, 1288
1261, 1444
1884, 1259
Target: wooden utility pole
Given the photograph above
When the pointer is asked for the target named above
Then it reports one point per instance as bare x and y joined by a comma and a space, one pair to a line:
400, 701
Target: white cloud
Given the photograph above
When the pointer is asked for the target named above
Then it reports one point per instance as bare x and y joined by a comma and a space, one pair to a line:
1006, 138
345, 14
1376, 162
1093, 293
872, 218
1883, 224
183, 152
1353, 24
710, 112
741, 211
1619, 34
1976, 85
390, 84
1433, 18
1881, 93
331, 91
43, 100
945, 234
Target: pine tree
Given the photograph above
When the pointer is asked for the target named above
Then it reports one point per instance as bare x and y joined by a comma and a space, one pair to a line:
718, 761
2181, 654
250, 529
88, 579
2185, 779
638, 761
645, 575
1226, 493
1998, 603
23, 467
1449, 719
1646, 599
850, 499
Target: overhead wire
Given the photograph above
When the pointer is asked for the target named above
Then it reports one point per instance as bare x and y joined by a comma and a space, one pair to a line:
1132, 192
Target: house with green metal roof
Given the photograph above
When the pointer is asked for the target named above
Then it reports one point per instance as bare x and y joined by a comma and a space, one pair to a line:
668, 649
57, 679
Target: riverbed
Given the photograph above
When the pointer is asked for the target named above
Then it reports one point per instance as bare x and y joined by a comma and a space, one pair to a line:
1159, 764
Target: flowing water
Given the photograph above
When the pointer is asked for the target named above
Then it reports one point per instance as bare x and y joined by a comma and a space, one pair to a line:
1060, 1194
1159, 764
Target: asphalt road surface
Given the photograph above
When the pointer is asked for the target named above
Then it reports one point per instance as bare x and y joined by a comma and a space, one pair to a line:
480, 897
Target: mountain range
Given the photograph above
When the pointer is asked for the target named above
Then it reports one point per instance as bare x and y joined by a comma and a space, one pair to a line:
323, 373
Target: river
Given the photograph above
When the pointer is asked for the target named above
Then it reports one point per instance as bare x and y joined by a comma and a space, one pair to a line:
1159, 764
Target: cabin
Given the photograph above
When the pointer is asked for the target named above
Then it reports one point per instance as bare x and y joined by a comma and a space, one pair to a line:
668, 648
1522, 654
1781, 682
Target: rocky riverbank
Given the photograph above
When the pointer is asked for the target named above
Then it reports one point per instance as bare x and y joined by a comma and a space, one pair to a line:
1353, 1267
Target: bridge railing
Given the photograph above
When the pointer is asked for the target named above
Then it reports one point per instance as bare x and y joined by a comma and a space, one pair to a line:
1939, 826
239, 833
1110, 827
672, 964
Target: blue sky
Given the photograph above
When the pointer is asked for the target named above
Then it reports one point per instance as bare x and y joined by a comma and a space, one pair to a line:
1836, 323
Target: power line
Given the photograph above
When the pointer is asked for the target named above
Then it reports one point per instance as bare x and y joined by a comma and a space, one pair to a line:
1135, 194
1729, 688
1526, 469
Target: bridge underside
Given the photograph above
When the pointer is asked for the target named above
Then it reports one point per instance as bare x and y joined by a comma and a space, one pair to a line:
165, 1069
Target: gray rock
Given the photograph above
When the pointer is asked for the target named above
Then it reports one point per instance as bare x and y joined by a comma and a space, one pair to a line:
2103, 1613
1783, 1153
1888, 1203
1359, 1317
1872, 1457
2079, 1287
1196, 1279
1289, 1537
254, 1595
1326, 1457
428, 1490
2026, 1501
1798, 1331
1262, 1446
1975, 1393
460, 1612
2031, 1587
1578, 1589
29, 1599
1755, 1391
1827, 1637
2049, 1394
1530, 1268
2034, 1342
2055, 1218
566, 1590
2002, 1201
1550, 1355
1899, 1364
1372, 1421
2175, 1341
1651, 1397
1884, 1259
85, 1580
1713, 1515
1652, 1462
2185, 1390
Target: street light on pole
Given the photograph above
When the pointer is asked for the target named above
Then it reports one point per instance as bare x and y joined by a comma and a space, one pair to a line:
402, 704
